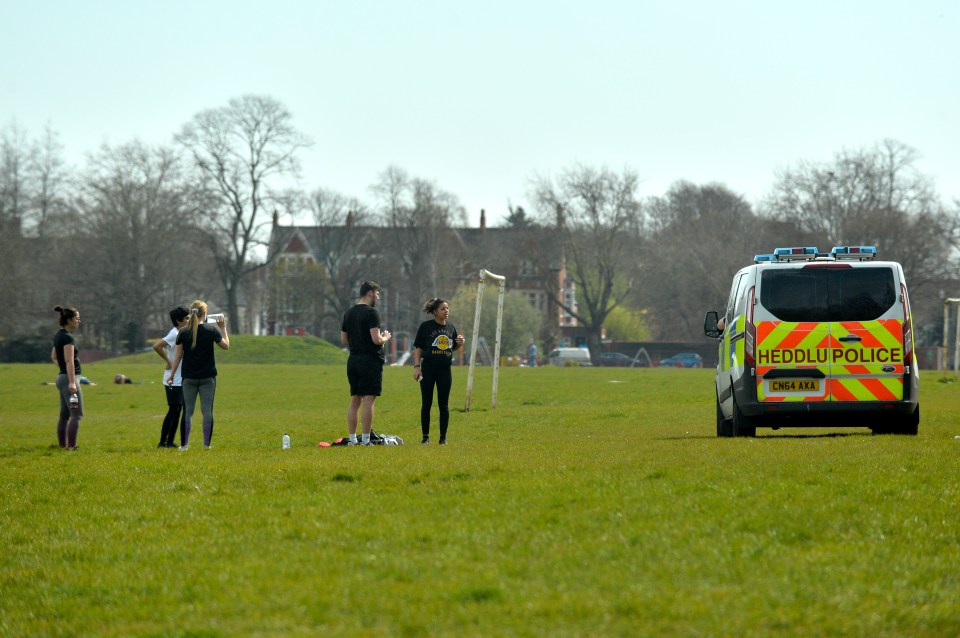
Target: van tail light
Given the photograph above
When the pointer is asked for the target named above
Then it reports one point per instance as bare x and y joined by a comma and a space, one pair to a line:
907, 334
750, 334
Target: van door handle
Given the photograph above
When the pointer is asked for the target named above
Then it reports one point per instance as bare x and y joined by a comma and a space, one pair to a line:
850, 338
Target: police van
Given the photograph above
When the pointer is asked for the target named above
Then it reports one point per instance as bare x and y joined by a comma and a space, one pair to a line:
812, 339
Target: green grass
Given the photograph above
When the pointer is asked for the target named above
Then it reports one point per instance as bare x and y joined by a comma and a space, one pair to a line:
255, 349
587, 503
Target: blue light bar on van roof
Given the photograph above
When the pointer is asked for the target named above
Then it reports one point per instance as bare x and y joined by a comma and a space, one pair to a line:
854, 252
764, 257
787, 254
779, 252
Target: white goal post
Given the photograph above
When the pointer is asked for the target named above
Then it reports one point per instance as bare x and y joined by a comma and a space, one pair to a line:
484, 275
956, 340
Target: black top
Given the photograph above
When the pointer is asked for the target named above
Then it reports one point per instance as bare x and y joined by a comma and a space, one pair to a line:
436, 343
61, 339
357, 323
198, 361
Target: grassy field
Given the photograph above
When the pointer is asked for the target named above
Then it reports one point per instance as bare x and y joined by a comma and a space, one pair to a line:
588, 503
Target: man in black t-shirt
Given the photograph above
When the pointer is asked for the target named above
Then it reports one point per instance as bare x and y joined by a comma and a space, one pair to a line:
361, 332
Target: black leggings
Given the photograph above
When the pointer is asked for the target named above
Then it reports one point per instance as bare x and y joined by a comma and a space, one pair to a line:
175, 416
443, 378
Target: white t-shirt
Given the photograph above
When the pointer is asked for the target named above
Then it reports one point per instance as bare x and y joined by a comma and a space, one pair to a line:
171, 341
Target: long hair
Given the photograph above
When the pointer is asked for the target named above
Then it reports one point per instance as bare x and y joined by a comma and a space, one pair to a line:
432, 304
66, 314
198, 313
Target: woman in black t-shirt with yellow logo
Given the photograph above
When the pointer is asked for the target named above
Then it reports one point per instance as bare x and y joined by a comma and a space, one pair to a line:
432, 357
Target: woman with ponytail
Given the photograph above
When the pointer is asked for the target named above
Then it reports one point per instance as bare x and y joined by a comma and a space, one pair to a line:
195, 349
65, 353
432, 357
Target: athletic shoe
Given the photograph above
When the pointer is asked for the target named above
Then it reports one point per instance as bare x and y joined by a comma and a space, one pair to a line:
349, 442
443, 441
183, 448
366, 442
425, 441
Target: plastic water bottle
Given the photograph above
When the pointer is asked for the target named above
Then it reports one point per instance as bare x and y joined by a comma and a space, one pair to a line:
74, 402
286, 441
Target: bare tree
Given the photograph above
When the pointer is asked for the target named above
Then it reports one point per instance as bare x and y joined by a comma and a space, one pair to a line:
418, 217
34, 189
875, 196
238, 150
16, 257
700, 236
841, 201
14, 190
316, 287
347, 238
141, 240
49, 176
598, 222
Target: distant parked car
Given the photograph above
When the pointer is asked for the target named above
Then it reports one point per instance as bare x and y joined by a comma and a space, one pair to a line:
614, 360
683, 360
570, 357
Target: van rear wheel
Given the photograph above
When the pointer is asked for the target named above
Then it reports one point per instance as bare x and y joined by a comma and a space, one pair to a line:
724, 426
909, 425
742, 424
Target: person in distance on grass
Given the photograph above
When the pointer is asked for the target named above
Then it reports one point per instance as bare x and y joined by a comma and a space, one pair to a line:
165, 348
195, 349
360, 331
432, 358
66, 354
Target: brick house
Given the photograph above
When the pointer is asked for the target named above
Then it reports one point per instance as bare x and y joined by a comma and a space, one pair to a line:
316, 270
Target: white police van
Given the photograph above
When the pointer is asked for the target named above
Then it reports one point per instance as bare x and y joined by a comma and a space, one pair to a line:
812, 339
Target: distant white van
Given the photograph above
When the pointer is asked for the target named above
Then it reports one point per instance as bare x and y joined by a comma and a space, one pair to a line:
570, 357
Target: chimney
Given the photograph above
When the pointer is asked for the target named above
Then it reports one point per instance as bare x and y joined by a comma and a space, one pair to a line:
483, 221
276, 218
349, 219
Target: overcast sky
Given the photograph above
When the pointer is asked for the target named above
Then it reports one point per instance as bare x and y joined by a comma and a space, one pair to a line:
481, 97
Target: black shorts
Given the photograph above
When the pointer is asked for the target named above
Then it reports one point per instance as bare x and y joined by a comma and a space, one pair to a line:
365, 374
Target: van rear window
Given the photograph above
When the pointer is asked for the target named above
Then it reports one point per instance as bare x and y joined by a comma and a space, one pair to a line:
828, 294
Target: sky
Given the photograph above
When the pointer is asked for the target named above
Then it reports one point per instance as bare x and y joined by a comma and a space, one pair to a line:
483, 98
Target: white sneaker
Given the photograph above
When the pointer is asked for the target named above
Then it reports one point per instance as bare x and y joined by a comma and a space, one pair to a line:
183, 448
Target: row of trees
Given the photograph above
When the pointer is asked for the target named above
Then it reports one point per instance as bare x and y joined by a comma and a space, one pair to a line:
673, 256
139, 229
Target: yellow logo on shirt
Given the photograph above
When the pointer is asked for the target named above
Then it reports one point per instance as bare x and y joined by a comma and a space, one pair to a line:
442, 342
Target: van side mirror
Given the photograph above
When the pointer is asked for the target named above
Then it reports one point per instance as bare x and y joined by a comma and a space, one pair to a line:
710, 327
